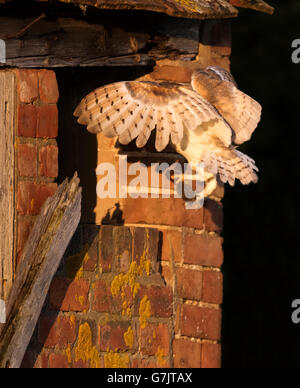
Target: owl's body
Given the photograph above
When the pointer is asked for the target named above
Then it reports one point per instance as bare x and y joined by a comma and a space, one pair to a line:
203, 120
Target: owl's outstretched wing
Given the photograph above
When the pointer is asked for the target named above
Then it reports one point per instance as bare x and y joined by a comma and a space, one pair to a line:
243, 114
131, 110
240, 111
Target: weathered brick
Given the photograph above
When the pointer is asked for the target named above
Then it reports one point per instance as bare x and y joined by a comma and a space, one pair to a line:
201, 322
31, 196
189, 283
48, 87
112, 336
106, 248
104, 301
203, 249
69, 295
90, 238
58, 361
122, 249
149, 363
211, 356
161, 211
160, 298
154, 339
172, 245
47, 121
187, 354
27, 84
167, 275
48, 161
213, 216
59, 333
27, 120
27, 160
212, 287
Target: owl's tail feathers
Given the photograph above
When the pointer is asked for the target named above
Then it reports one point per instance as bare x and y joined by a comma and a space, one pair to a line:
231, 165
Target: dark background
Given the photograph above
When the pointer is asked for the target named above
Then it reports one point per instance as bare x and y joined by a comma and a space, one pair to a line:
262, 258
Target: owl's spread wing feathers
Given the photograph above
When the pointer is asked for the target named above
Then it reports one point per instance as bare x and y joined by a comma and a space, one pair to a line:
240, 111
131, 110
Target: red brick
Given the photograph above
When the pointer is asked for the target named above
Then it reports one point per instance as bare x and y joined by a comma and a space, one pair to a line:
161, 300
167, 275
31, 196
161, 211
58, 361
104, 300
201, 322
172, 245
112, 337
59, 333
106, 248
80, 365
122, 249
189, 283
24, 228
68, 295
27, 83
211, 356
187, 354
213, 216
154, 338
47, 123
48, 87
150, 363
212, 287
27, 120
44, 360
27, 160
48, 161
203, 249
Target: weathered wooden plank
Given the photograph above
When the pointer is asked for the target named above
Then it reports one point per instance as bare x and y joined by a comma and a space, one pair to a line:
68, 42
7, 120
42, 254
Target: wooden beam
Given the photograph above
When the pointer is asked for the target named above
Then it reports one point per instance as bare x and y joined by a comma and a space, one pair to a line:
7, 162
42, 254
66, 42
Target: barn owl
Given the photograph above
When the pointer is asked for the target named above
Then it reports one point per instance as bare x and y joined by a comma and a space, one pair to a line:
205, 120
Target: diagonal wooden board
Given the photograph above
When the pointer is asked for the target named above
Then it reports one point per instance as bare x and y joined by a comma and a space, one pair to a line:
42, 254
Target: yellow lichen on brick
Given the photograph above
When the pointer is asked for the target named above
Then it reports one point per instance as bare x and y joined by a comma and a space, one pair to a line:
159, 355
69, 354
115, 360
85, 351
73, 320
144, 311
80, 299
128, 337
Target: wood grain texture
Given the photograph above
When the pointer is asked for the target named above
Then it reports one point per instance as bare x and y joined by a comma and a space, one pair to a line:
7, 161
193, 9
42, 254
66, 42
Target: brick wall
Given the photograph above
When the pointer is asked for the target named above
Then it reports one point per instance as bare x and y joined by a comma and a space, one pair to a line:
124, 296
35, 145
133, 297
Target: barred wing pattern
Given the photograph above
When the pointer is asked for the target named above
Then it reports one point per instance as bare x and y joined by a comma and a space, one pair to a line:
133, 109
202, 120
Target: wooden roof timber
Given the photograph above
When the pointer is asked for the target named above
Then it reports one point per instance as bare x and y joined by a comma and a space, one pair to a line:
193, 9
